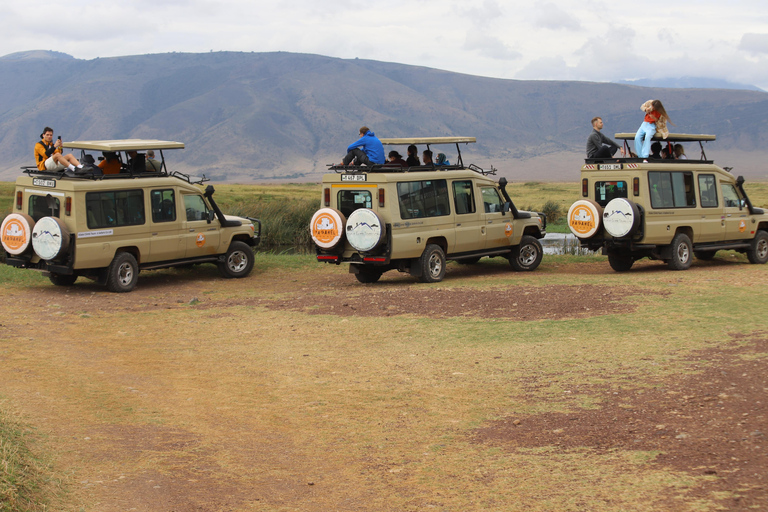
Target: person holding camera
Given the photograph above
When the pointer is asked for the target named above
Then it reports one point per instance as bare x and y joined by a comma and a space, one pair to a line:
48, 154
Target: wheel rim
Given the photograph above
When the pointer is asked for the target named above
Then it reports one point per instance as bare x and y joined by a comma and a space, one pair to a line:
237, 261
762, 248
528, 255
125, 274
683, 254
435, 265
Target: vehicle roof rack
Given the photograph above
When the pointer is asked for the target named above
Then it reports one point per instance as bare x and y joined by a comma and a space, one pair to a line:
123, 145
701, 138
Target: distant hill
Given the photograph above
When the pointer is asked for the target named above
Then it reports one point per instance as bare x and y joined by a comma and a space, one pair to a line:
265, 116
690, 82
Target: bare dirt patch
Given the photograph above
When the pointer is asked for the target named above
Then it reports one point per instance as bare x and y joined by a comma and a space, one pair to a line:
710, 422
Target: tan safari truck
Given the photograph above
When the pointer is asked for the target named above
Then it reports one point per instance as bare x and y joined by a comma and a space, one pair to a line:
413, 220
111, 227
670, 210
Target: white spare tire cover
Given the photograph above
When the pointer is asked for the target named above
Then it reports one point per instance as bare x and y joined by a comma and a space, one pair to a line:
620, 217
50, 238
365, 230
584, 218
327, 227
16, 233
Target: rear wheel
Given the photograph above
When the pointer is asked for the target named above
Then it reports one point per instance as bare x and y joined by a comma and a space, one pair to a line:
238, 261
682, 252
432, 263
368, 275
62, 279
526, 256
620, 261
122, 273
758, 249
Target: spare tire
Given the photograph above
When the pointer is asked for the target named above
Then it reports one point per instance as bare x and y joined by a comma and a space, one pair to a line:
365, 231
16, 233
584, 218
50, 238
327, 227
621, 217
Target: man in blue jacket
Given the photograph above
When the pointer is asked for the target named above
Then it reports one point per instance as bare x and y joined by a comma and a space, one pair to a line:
367, 150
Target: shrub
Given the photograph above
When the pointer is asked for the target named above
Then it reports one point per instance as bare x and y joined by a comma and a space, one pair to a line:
552, 210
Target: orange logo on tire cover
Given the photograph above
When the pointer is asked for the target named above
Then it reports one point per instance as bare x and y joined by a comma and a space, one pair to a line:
582, 220
742, 226
15, 235
200, 241
325, 229
508, 230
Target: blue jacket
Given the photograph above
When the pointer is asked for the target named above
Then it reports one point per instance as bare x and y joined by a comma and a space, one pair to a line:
371, 146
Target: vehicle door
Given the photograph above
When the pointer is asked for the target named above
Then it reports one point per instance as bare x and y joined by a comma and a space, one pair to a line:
712, 217
673, 205
470, 223
425, 212
201, 234
166, 241
498, 225
736, 215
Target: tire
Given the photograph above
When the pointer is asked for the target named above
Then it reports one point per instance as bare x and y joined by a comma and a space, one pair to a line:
682, 252
621, 217
238, 262
63, 279
368, 275
584, 218
526, 256
50, 238
468, 261
365, 230
122, 273
704, 255
16, 233
620, 261
758, 248
432, 263
327, 228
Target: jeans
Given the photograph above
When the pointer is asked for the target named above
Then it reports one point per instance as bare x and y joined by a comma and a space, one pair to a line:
358, 155
643, 139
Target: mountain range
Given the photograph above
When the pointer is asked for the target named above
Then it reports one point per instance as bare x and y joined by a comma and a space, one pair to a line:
283, 116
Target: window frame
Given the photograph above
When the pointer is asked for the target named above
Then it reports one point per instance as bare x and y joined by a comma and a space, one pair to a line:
673, 184
135, 192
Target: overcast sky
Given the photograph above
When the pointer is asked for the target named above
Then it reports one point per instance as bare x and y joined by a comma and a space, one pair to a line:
558, 40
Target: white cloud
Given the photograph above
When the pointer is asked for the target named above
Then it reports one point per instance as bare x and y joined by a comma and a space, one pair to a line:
553, 17
489, 46
754, 43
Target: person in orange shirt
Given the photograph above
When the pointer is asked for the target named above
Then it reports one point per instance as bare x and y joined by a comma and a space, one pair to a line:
110, 164
48, 155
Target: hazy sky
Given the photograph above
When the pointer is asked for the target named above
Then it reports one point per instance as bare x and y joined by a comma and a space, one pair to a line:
562, 40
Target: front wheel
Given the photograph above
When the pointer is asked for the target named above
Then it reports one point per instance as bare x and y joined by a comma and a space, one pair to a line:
682, 252
758, 248
238, 261
122, 273
432, 264
526, 256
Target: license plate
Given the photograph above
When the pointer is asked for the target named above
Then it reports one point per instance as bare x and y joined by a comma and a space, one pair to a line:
44, 183
354, 177
609, 167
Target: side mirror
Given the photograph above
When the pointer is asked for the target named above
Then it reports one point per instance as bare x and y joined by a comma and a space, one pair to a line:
506, 207
211, 216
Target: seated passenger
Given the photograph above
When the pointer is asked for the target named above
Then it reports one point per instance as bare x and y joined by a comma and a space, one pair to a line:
394, 158
49, 156
442, 159
427, 157
367, 150
152, 164
655, 151
680, 152
413, 156
110, 164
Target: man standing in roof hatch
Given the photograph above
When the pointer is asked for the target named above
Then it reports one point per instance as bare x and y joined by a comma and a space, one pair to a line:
367, 150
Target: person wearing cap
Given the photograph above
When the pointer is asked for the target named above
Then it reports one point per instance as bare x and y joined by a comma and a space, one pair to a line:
48, 154
395, 159
367, 150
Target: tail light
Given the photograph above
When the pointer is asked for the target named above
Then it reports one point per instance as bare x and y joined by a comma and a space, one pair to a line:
584, 187
68, 206
381, 198
636, 186
327, 197
19, 197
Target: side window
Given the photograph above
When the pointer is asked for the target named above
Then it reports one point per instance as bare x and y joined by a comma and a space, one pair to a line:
671, 189
607, 190
491, 199
114, 209
38, 207
195, 207
427, 198
707, 190
730, 196
463, 197
163, 205
350, 200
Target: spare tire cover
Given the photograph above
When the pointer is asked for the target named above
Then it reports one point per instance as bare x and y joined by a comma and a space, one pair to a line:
16, 233
621, 217
584, 218
50, 238
364, 230
327, 227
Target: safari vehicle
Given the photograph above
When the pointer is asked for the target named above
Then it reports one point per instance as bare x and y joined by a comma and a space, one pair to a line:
413, 219
110, 227
670, 210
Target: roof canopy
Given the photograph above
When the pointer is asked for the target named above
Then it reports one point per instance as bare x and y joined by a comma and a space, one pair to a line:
673, 137
429, 140
123, 144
